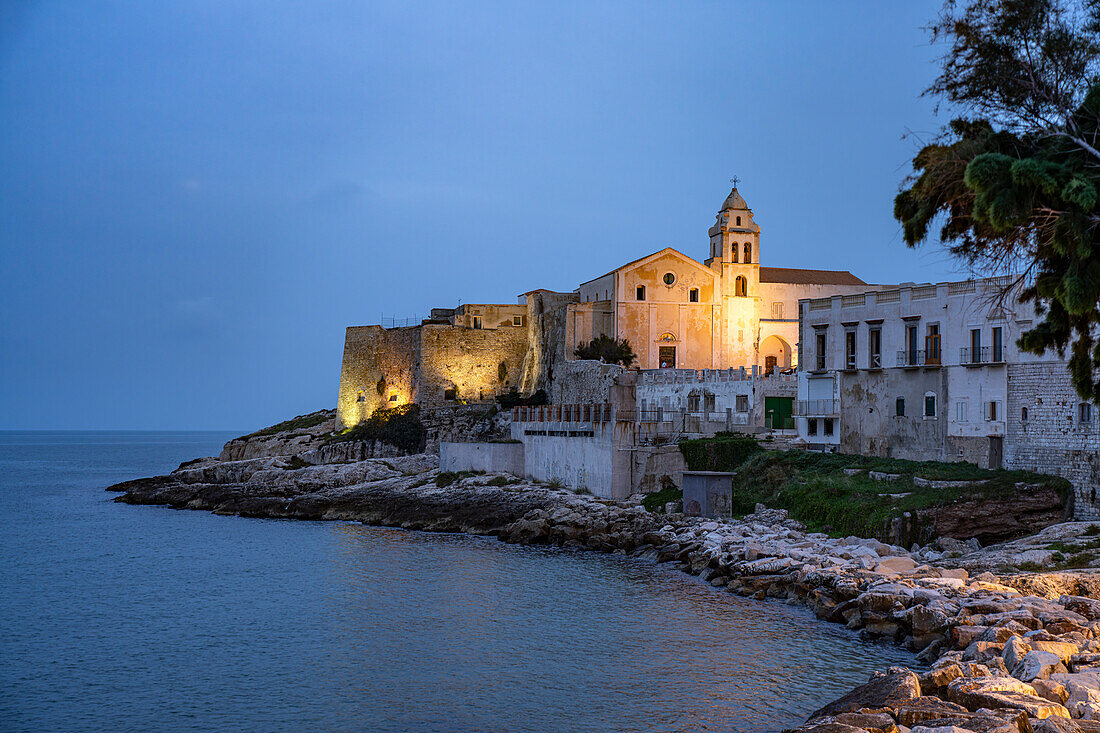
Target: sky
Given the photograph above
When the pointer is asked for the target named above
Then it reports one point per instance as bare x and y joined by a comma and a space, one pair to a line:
196, 198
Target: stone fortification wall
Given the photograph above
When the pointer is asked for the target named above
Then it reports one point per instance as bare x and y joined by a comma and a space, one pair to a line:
583, 382
374, 357
1053, 439
478, 364
464, 424
547, 347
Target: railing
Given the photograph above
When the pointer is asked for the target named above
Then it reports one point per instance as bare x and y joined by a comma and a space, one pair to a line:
961, 288
590, 413
887, 296
817, 408
821, 304
850, 301
923, 291
910, 357
979, 355
704, 376
394, 322
874, 361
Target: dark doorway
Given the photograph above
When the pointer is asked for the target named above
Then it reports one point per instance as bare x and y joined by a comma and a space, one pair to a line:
770, 363
996, 451
666, 356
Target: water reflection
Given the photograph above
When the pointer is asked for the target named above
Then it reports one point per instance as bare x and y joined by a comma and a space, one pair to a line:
448, 632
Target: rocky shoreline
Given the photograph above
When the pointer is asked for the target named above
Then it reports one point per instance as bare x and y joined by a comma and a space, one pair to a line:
1013, 653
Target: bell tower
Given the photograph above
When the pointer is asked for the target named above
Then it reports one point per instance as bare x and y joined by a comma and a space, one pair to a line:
735, 254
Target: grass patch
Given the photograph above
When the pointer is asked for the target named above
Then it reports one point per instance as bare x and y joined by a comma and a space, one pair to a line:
446, 478
656, 500
398, 426
301, 422
815, 490
555, 484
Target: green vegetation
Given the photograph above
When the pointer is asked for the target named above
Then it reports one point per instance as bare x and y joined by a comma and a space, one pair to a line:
656, 500
607, 349
398, 426
301, 422
816, 491
555, 484
511, 399
498, 481
724, 452
446, 478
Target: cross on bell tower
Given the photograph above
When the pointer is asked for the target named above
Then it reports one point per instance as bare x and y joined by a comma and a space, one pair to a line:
735, 180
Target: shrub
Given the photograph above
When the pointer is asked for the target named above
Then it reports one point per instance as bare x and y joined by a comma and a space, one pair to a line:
656, 500
608, 350
513, 398
446, 478
301, 422
498, 481
724, 452
398, 426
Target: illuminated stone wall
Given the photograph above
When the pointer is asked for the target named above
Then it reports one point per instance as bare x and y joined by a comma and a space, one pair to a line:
374, 357
478, 363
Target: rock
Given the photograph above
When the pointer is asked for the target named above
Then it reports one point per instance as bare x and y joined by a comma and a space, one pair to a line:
1087, 607
1063, 650
898, 685
963, 636
1057, 725
895, 564
922, 709
1051, 690
1037, 664
1014, 651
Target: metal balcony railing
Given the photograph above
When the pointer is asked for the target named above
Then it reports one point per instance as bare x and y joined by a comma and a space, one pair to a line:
971, 355
919, 357
817, 408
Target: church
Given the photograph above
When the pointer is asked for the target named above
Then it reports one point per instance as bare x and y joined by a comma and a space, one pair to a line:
676, 312
727, 311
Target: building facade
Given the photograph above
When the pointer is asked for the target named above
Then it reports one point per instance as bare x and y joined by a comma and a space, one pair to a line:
932, 372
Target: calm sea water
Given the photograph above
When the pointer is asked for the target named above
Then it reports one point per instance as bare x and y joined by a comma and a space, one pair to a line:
118, 617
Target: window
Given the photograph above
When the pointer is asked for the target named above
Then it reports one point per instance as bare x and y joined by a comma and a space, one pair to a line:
393, 398
733, 247
708, 402
517, 320
899, 407
811, 426
910, 346
1023, 414
1084, 412
874, 339
450, 393
742, 403
740, 286
693, 295
849, 349
748, 253
822, 343
639, 293
975, 346
693, 403
992, 410
361, 397
477, 321
960, 411
998, 344
929, 404
828, 426
777, 310
669, 278
738, 221
932, 344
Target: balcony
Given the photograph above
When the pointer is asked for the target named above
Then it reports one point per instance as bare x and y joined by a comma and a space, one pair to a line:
817, 408
981, 355
914, 358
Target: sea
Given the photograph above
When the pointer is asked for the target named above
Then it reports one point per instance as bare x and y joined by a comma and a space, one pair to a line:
139, 618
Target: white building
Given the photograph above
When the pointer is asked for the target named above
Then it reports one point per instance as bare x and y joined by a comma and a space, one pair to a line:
932, 372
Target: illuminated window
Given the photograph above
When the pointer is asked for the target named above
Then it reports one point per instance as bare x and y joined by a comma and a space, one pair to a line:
477, 321
693, 295
741, 286
393, 398
450, 393
639, 293
748, 253
361, 397
517, 320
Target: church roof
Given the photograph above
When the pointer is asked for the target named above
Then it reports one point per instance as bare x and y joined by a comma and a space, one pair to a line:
734, 201
808, 277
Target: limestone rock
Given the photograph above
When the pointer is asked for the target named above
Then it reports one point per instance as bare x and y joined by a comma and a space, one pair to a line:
898, 685
1037, 664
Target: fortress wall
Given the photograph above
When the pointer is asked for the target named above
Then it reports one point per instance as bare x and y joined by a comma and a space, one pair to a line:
469, 360
583, 382
371, 353
547, 343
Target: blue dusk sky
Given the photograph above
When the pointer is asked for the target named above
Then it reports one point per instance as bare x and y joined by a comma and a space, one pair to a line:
198, 197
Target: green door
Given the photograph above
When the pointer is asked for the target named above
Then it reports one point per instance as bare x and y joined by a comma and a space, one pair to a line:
778, 412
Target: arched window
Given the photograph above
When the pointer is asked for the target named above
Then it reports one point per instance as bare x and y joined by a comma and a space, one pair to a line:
738, 221
740, 286
733, 248
748, 253
1023, 414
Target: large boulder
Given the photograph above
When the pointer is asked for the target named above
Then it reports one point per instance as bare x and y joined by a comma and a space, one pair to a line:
890, 689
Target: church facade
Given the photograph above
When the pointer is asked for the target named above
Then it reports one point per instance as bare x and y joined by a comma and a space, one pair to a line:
726, 311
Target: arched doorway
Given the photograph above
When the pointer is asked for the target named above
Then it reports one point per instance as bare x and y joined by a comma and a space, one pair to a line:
775, 354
